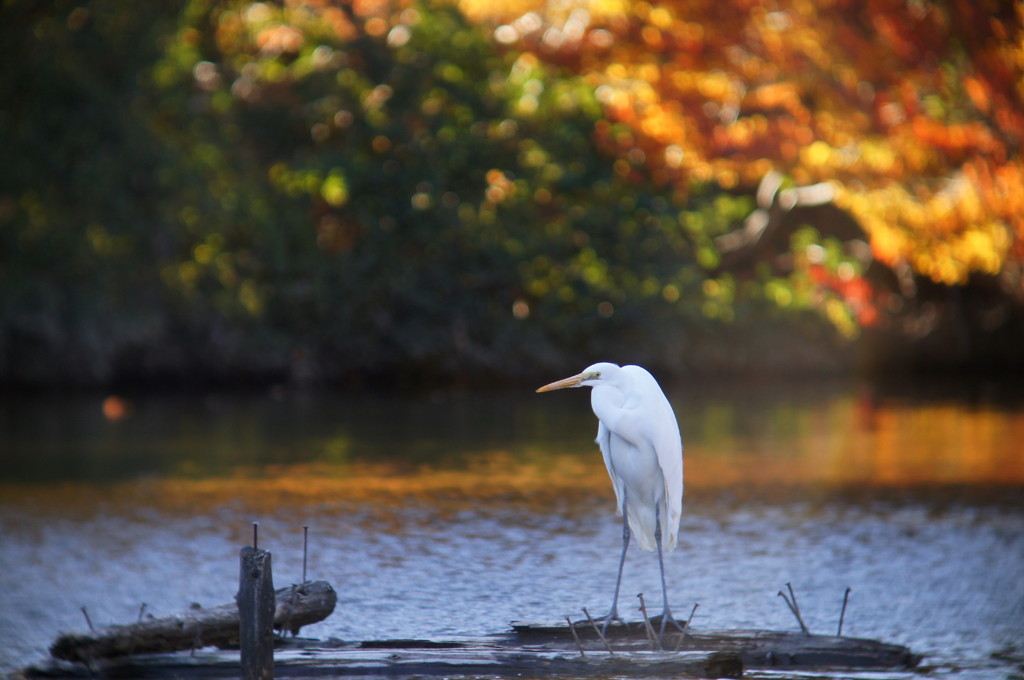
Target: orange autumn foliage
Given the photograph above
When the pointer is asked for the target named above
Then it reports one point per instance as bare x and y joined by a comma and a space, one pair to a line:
914, 110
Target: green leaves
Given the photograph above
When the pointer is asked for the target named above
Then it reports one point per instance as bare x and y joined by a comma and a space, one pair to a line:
375, 194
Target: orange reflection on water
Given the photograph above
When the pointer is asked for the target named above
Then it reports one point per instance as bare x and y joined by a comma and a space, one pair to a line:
948, 444
789, 445
858, 444
494, 479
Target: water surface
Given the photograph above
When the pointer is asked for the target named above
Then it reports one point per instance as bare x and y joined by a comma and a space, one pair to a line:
453, 514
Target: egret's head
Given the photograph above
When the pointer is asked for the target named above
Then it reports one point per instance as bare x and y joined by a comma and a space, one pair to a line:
591, 376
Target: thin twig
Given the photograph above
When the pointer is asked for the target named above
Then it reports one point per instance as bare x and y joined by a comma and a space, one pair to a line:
572, 629
85, 612
794, 608
791, 607
686, 627
655, 643
305, 544
597, 629
792, 596
689, 619
788, 603
842, 612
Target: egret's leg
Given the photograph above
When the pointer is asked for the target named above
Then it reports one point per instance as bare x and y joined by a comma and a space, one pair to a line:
614, 613
666, 614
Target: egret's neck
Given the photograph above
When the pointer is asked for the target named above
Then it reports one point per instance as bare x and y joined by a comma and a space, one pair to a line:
607, 401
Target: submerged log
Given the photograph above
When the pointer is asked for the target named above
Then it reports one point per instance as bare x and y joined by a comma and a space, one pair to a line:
494, 657
535, 650
530, 650
779, 649
498, 658
757, 648
296, 606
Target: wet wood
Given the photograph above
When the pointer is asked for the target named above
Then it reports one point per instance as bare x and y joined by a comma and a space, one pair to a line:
494, 656
256, 614
295, 606
533, 650
530, 649
757, 648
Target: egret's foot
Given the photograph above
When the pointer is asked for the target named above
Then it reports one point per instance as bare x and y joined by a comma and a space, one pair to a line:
602, 621
662, 621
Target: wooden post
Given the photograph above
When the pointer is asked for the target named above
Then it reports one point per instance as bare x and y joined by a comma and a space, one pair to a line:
256, 614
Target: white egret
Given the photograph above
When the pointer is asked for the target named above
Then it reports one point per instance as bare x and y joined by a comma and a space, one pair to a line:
639, 439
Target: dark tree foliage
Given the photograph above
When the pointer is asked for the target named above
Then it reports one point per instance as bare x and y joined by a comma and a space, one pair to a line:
227, 190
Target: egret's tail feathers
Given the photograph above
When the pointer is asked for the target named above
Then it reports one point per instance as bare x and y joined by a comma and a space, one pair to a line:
668, 540
670, 531
643, 524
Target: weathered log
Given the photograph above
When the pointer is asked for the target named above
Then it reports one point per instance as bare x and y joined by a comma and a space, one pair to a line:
780, 649
533, 650
537, 650
295, 606
757, 648
493, 657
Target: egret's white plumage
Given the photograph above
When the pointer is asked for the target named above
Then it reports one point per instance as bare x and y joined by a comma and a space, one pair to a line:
639, 439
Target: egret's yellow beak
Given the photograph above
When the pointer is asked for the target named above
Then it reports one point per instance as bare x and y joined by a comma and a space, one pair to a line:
562, 384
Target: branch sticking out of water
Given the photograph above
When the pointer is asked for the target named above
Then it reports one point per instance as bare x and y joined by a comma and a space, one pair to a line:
85, 612
305, 550
597, 629
794, 607
655, 643
572, 629
693, 611
686, 627
842, 612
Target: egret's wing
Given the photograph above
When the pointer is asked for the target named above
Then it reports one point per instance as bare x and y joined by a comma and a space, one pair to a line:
604, 442
656, 423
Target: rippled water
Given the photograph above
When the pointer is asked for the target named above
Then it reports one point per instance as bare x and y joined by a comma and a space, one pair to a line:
455, 514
